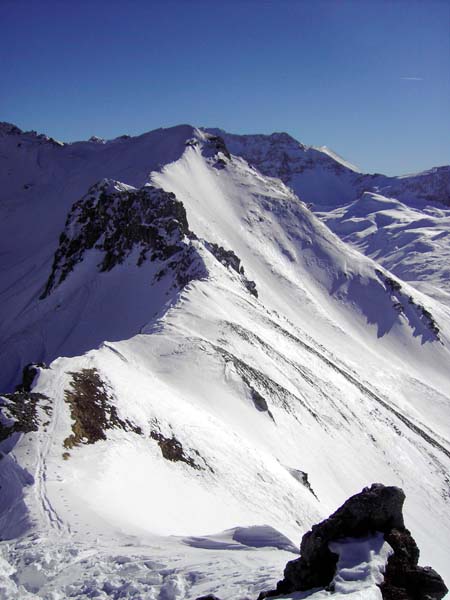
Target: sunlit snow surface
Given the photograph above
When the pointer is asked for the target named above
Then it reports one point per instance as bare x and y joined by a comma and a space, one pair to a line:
168, 569
401, 222
356, 390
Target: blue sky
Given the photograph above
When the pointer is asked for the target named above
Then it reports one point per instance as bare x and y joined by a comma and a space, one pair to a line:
370, 78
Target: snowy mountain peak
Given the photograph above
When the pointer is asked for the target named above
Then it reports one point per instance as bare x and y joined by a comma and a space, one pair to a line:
337, 158
9, 129
96, 140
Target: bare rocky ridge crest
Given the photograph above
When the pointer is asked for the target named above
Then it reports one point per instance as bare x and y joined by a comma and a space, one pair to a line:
116, 220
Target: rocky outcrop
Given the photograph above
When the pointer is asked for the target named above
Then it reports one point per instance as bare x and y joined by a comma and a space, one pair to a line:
401, 301
119, 221
24, 411
230, 260
404, 579
29, 374
375, 509
215, 144
172, 449
92, 410
19, 412
9, 129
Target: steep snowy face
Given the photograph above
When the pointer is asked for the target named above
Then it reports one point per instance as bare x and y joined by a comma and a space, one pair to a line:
297, 260
246, 368
402, 222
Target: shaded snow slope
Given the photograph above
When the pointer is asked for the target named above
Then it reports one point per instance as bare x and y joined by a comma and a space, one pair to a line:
40, 181
360, 569
247, 371
412, 242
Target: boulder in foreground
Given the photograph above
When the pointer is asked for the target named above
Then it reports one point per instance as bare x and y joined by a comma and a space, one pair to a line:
376, 509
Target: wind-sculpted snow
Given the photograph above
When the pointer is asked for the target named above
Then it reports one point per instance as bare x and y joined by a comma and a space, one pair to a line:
410, 241
223, 371
240, 538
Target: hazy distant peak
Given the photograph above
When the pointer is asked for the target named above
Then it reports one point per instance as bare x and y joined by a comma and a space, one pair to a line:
335, 156
9, 128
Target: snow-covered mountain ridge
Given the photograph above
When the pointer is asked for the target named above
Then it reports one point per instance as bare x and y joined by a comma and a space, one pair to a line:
402, 222
219, 361
322, 177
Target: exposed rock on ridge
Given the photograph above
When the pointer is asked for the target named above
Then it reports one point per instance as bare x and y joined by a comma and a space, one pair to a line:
24, 411
116, 219
229, 259
148, 224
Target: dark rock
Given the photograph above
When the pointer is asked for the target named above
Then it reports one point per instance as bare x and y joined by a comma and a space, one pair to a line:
19, 412
28, 374
220, 163
115, 220
92, 410
172, 450
229, 259
9, 129
218, 144
399, 302
302, 477
208, 597
375, 509
403, 577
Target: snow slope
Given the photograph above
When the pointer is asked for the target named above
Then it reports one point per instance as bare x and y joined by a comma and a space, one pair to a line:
410, 241
235, 345
406, 232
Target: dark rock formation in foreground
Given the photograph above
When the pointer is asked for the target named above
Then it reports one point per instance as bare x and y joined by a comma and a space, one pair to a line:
375, 509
